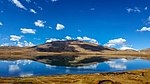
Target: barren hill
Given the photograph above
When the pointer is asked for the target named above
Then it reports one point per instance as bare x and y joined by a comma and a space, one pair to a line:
70, 46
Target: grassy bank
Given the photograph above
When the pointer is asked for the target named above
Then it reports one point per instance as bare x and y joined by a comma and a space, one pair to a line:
130, 77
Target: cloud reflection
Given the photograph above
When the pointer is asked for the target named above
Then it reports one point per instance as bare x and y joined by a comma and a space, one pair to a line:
13, 68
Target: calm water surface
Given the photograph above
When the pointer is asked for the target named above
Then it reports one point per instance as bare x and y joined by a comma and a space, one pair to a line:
25, 68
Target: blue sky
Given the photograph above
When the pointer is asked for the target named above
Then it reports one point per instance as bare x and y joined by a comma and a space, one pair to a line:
123, 24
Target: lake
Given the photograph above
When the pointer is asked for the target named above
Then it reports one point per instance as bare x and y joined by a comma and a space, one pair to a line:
26, 68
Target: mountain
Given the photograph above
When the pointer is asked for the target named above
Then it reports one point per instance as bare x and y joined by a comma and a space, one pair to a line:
147, 50
70, 46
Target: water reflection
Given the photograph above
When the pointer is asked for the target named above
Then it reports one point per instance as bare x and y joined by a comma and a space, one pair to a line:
25, 68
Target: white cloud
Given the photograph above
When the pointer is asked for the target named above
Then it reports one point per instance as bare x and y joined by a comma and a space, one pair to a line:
25, 44
79, 38
147, 22
148, 18
135, 9
50, 27
25, 31
39, 23
146, 8
114, 42
54, 0
52, 39
60, 27
1, 24
18, 4
117, 41
40, 8
144, 29
15, 38
91, 40
20, 44
68, 37
28, 44
129, 10
87, 39
33, 11
126, 48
